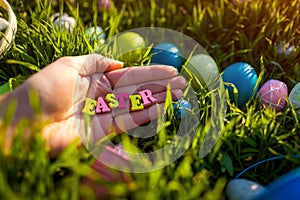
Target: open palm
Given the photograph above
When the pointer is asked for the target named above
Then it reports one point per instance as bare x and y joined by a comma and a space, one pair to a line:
64, 85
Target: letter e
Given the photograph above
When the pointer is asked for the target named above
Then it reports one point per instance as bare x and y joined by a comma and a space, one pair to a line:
89, 106
136, 102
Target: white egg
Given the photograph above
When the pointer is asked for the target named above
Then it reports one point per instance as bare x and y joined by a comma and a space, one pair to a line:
285, 48
96, 33
242, 189
65, 21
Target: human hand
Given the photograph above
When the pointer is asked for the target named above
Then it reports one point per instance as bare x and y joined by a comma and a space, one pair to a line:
64, 85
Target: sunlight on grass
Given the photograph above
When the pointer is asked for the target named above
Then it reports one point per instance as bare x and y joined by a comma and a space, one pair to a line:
248, 32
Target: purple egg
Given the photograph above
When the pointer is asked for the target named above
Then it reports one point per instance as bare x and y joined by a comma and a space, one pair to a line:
106, 4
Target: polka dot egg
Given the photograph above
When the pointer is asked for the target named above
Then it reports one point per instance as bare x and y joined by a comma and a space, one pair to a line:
273, 94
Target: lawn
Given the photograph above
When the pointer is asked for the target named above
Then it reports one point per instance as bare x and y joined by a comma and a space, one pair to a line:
230, 32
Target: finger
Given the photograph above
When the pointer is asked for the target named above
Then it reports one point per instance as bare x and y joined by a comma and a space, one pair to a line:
160, 97
114, 156
135, 75
177, 82
99, 86
95, 63
131, 120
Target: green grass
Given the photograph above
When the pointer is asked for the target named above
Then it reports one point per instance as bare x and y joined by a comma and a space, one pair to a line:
248, 32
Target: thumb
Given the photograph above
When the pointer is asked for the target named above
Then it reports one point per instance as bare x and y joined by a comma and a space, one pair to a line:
96, 63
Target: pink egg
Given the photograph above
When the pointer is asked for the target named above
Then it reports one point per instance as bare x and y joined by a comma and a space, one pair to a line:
273, 93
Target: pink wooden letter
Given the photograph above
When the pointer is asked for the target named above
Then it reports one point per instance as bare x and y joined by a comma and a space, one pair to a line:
147, 97
102, 106
121, 99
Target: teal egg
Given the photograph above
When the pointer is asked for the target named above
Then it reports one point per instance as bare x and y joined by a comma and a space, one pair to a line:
166, 54
244, 78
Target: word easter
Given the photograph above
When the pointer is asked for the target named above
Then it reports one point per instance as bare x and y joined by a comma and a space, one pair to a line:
138, 102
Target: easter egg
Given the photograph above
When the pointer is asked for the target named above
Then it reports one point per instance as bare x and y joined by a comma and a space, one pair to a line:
64, 21
181, 107
96, 33
294, 98
130, 47
272, 94
244, 78
203, 68
242, 189
284, 48
166, 54
286, 187
104, 4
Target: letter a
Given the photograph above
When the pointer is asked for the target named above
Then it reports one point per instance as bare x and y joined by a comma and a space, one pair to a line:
102, 106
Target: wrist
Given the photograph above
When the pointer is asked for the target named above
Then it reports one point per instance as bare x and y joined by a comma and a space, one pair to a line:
19, 103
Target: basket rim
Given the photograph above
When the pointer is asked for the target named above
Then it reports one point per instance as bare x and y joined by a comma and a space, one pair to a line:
10, 31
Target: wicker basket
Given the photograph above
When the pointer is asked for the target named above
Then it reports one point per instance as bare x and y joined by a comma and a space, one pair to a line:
10, 25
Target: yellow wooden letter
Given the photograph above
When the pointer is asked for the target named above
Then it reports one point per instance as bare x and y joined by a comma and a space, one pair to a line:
136, 102
111, 99
89, 106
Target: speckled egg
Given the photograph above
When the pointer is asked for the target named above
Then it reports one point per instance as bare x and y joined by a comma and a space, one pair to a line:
273, 94
243, 77
294, 98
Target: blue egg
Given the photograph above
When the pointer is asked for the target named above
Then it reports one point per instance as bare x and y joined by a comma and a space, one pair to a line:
180, 108
244, 78
244, 189
166, 54
286, 187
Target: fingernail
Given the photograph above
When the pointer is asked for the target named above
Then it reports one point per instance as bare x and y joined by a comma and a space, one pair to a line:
114, 62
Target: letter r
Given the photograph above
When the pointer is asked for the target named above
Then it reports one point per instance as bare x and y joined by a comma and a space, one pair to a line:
147, 97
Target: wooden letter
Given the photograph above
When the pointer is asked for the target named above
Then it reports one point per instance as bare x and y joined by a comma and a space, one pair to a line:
147, 97
121, 99
136, 102
89, 106
111, 99
102, 106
